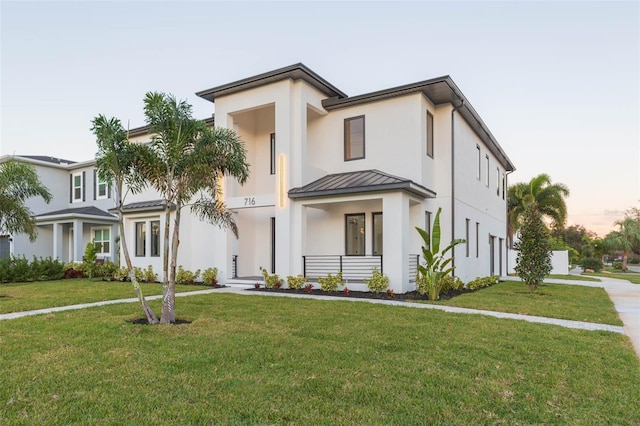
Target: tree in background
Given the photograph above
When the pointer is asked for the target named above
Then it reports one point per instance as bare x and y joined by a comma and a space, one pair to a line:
626, 237
115, 161
548, 197
576, 236
534, 249
19, 182
185, 162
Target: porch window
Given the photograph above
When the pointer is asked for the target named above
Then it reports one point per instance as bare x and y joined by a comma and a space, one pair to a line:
354, 138
155, 238
429, 134
377, 233
102, 240
354, 235
141, 238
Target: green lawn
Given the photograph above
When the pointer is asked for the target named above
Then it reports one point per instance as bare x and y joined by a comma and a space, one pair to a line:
571, 277
572, 302
266, 360
632, 277
46, 294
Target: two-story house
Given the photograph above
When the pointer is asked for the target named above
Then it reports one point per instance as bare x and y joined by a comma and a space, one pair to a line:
337, 183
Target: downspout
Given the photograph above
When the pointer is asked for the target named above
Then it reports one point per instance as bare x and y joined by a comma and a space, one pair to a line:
453, 179
506, 207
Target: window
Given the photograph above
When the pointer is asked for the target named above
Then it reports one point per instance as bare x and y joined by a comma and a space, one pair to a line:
155, 238
504, 184
477, 239
354, 138
497, 181
272, 145
377, 233
102, 240
141, 238
77, 187
354, 235
486, 178
101, 188
429, 134
467, 235
479, 166
427, 227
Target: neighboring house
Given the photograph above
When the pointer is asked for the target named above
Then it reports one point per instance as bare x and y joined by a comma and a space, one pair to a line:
76, 215
338, 183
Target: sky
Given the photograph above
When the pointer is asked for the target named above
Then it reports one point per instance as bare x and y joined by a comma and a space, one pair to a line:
557, 83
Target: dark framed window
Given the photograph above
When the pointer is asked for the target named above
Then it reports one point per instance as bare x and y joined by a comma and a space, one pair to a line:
478, 162
497, 181
376, 220
354, 138
467, 224
477, 239
155, 238
486, 177
141, 238
354, 234
272, 147
429, 134
504, 184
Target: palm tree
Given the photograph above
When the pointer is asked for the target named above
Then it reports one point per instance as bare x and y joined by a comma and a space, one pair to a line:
115, 161
548, 198
19, 182
185, 162
625, 238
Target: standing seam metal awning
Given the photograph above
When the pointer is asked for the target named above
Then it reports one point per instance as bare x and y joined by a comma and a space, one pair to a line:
360, 182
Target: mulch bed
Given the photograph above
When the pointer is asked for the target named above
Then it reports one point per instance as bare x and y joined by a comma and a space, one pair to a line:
413, 295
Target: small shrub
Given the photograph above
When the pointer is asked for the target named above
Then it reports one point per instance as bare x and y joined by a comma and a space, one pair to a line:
74, 270
271, 281
617, 266
184, 276
256, 285
90, 256
330, 282
308, 288
210, 276
149, 275
591, 263
295, 283
377, 282
449, 282
346, 291
482, 282
109, 270
121, 274
390, 293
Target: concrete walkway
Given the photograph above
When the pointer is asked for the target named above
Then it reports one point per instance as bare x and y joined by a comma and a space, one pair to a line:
625, 297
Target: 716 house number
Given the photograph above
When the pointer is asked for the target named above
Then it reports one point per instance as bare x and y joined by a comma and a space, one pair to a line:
249, 201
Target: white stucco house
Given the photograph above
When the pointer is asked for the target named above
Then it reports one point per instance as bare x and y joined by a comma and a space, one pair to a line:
337, 183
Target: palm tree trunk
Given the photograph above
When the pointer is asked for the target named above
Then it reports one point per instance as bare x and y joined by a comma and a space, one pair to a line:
166, 308
148, 312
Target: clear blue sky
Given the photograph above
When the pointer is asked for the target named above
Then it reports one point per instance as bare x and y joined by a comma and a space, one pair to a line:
556, 82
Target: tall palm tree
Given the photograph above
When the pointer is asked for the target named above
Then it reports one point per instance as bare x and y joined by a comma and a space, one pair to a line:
18, 182
115, 162
548, 198
625, 238
185, 162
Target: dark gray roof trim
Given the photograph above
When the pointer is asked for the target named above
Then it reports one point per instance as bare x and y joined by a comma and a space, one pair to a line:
360, 182
294, 72
441, 90
141, 131
47, 159
78, 211
144, 206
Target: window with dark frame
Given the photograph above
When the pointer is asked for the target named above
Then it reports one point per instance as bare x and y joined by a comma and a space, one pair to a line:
354, 234
141, 237
477, 239
504, 184
467, 223
155, 238
272, 145
77, 187
429, 134
486, 178
497, 181
478, 163
354, 138
377, 233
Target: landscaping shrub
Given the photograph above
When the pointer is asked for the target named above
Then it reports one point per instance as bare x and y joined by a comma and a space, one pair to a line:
591, 263
149, 275
19, 269
449, 282
210, 276
482, 282
109, 270
184, 276
271, 281
377, 282
617, 266
330, 282
296, 282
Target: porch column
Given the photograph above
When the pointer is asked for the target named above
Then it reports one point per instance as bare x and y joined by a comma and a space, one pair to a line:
395, 241
78, 249
283, 208
57, 241
298, 237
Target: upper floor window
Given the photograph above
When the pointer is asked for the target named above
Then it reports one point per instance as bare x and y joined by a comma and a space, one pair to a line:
429, 134
478, 160
497, 181
102, 240
486, 178
102, 187
272, 148
77, 187
504, 184
354, 138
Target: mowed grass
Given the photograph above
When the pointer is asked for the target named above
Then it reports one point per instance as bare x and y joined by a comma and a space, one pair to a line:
632, 277
271, 360
572, 302
19, 297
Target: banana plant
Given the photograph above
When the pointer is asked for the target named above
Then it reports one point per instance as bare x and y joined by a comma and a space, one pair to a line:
435, 264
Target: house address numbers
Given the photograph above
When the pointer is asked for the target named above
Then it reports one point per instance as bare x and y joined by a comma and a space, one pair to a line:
249, 201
